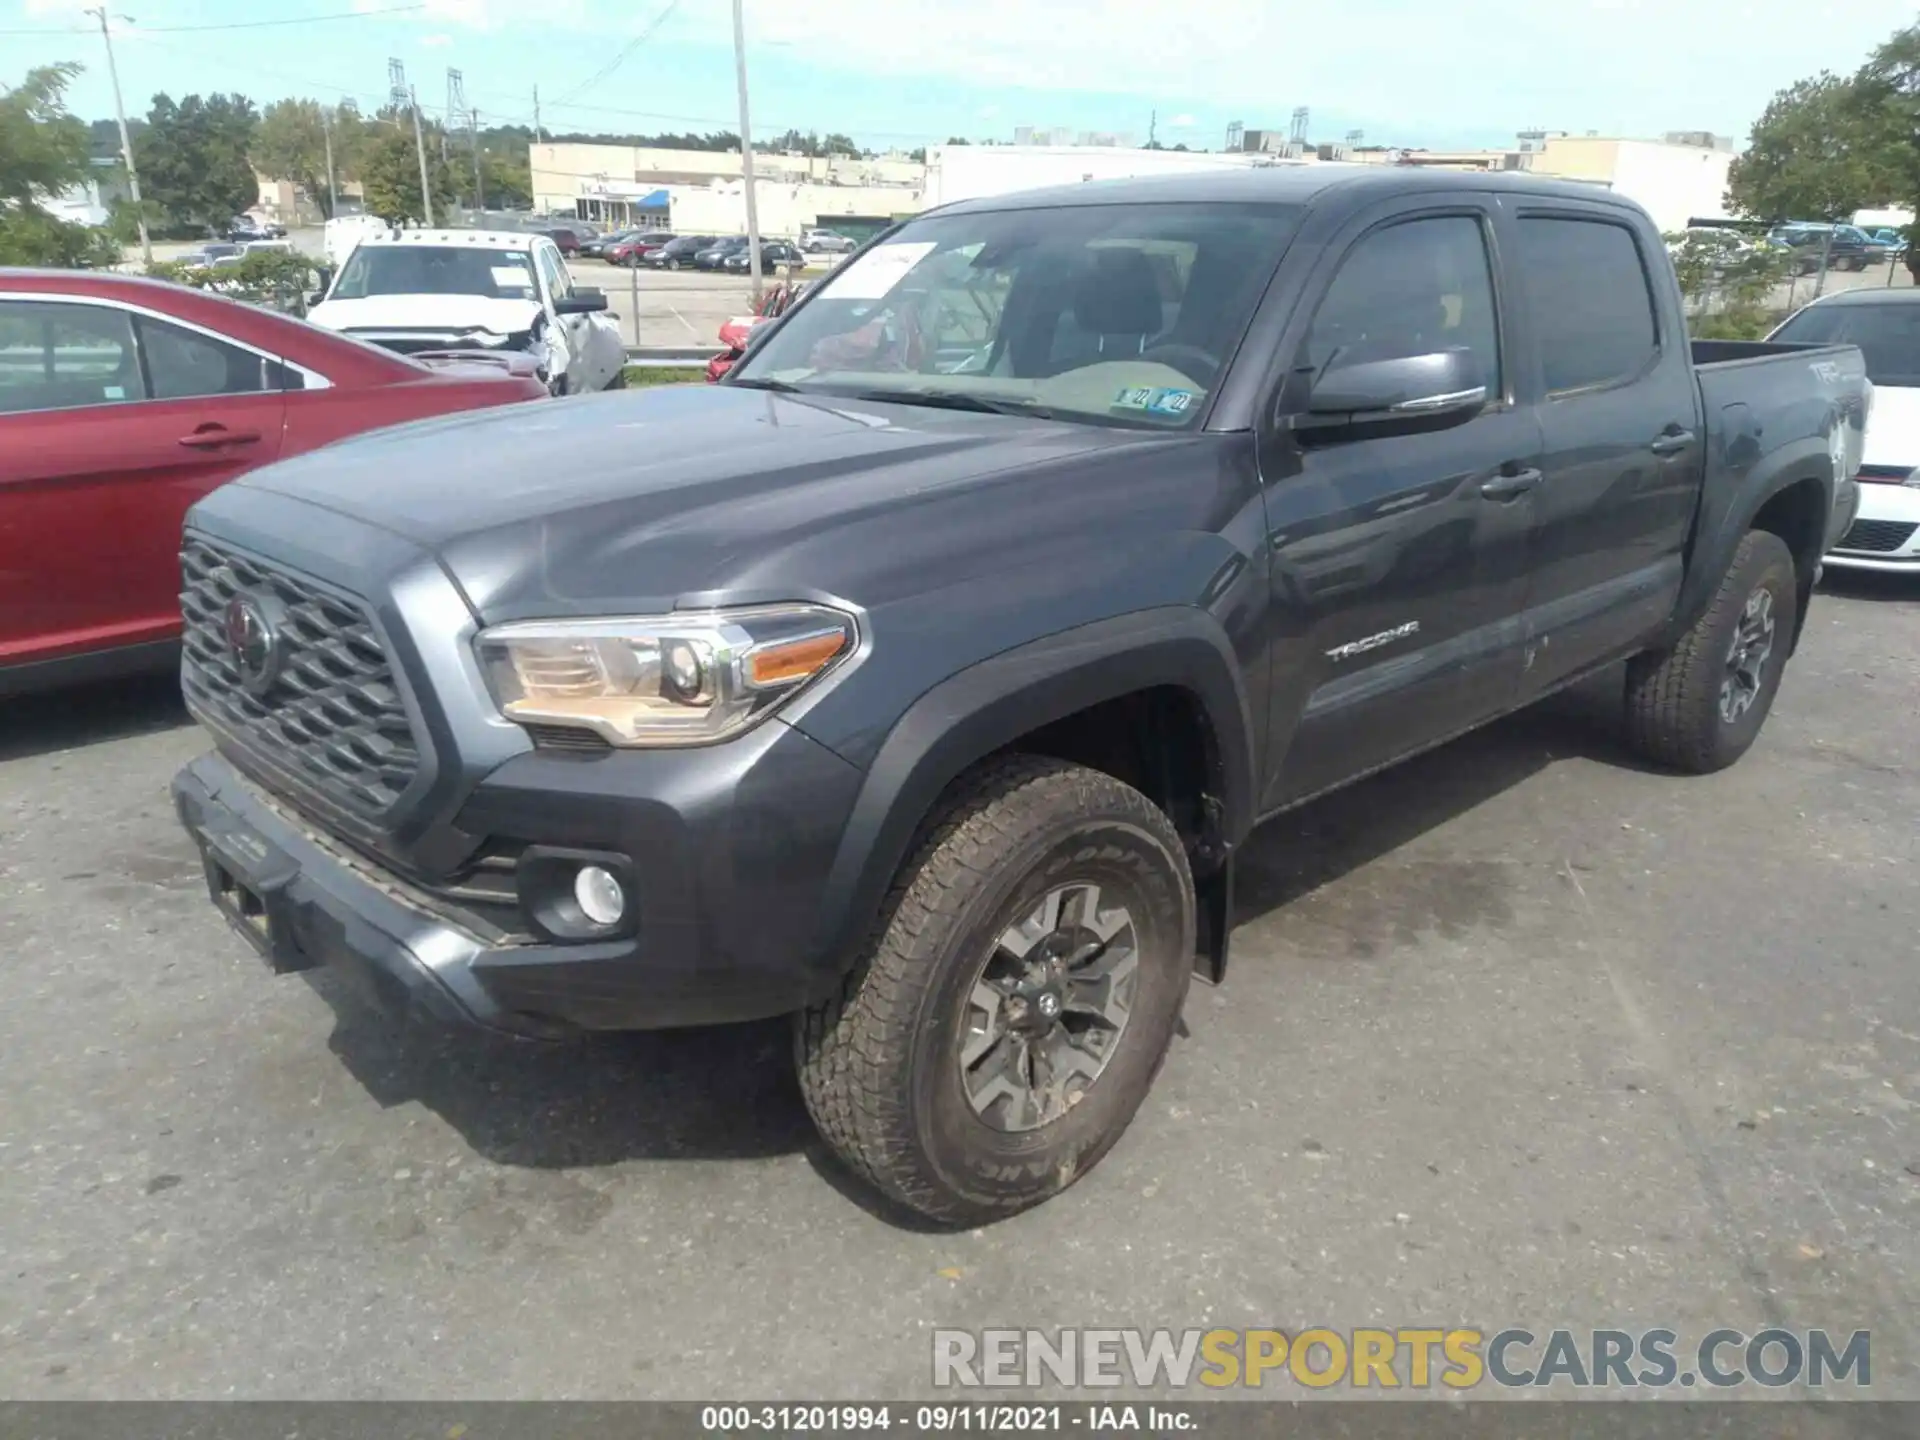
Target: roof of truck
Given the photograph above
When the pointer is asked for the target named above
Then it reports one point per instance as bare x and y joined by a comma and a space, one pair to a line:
1286, 185
484, 239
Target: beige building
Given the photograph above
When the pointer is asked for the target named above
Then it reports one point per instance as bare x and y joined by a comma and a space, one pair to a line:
633, 184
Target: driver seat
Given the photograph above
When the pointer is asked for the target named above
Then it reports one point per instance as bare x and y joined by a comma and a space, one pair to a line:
1116, 310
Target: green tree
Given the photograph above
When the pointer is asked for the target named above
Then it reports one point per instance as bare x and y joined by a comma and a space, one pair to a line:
509, 181
1887, 105
1728, 281
390, 176
1814, 154
43, 153
290, 143
193, 160
839, 145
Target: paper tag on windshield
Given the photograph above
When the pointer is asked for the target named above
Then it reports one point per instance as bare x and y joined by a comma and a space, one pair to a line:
875, 273
512, 276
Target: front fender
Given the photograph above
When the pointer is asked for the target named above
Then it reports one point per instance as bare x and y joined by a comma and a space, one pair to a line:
988, 707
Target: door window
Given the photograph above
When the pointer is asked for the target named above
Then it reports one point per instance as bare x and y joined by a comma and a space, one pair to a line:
554, 272
1591, 301
62, 357
184, 364
1412, 288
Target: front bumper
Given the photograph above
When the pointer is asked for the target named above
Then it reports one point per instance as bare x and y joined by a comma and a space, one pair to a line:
1885, 533
726, 849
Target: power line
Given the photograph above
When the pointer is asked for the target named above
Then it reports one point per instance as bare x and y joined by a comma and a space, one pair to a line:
620, 59
239, 24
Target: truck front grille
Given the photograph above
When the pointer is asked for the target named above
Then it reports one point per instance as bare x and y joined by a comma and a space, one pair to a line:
331, 719
1877, 537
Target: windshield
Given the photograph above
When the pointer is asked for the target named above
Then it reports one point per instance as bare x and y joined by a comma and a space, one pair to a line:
1110, 314
1888, 335
436, 270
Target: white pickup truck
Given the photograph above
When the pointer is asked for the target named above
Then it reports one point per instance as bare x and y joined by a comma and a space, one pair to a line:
418, 291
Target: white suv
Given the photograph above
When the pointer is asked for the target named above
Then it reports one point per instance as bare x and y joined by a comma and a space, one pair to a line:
437, 290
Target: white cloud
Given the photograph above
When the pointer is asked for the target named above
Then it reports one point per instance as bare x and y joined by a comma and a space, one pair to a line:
434, 42
1182, 122
1406, 69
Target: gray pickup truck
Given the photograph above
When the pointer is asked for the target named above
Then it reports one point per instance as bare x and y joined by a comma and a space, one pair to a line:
923, 680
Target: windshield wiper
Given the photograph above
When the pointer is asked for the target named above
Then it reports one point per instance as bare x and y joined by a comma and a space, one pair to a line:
959, 400
779, 387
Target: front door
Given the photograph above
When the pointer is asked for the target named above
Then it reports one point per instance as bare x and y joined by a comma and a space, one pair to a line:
1398, 560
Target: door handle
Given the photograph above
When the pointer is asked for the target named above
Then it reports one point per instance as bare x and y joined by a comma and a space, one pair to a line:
1510, 487
212, 437
1671, 443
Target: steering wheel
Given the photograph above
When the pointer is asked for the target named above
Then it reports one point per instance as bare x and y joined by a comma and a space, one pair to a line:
1173, 352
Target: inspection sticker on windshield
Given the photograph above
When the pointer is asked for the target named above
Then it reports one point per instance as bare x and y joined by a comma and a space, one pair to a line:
1154, 400
512, 275
875, 273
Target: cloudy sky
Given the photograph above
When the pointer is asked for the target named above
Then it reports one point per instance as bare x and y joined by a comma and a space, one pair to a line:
912, 72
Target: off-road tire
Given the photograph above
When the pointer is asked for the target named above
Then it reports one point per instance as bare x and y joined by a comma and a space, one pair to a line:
878, 1060
619, 381
1673, 699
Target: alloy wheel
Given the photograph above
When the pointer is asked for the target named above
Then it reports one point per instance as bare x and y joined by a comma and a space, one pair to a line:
1747, 657
1046, 1013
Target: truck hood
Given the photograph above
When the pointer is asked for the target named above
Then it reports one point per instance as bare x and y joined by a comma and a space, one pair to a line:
426, 312
697, 494
1893, 430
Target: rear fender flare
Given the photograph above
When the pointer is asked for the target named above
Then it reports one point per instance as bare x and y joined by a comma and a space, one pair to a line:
1714, 547
988, 707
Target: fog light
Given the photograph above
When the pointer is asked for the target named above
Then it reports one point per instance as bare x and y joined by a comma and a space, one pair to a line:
599, 895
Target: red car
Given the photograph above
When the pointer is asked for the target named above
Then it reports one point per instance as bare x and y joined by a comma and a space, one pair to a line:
123, 401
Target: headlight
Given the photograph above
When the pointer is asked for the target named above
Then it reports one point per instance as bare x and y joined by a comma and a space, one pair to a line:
684, 679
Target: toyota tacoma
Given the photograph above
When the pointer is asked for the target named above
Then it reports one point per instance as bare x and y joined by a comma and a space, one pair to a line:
922, 680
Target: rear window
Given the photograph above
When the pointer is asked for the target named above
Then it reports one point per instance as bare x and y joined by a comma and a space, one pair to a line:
1592, 305
1888, 335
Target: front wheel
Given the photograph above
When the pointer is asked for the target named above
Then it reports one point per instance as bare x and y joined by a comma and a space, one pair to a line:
1016, 1000
1700, 706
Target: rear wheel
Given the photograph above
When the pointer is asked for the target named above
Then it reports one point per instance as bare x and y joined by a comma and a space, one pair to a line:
1016, 1000
1700, 706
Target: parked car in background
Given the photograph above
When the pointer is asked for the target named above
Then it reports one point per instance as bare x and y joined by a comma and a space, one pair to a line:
633, 250
340, 234
827, 242
248, 227
124, 400
1894, 241
210, 253
774, 255
1845, 247
1885, 324
415, 290
738, 332
714, 257
567, 239
678, 254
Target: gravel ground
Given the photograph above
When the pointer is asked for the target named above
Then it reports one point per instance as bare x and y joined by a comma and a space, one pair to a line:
1517, 1034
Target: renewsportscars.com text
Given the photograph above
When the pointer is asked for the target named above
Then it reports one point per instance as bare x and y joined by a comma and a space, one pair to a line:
1413, 1359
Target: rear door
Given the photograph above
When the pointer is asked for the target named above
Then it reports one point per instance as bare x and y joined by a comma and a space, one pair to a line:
127, 420
1399, 560
1621, 458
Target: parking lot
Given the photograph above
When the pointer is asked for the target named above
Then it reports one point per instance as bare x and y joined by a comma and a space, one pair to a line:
1518, 1034
681, 307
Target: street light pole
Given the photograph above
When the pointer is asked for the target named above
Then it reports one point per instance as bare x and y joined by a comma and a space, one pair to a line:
126, 145
333, 190
746, 150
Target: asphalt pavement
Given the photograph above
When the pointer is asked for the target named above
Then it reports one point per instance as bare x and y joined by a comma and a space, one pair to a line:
1520, 1033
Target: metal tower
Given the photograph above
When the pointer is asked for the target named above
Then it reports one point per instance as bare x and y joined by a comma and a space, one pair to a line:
1297, 135
1236, 135
398, 96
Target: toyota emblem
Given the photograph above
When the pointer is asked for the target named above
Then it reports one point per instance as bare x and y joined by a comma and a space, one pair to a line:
253, 640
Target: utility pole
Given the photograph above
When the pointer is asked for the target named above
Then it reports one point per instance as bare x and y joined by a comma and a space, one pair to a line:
1153, 130
333, 190
536, 116
479, 187
420, 147
126, 145
746, 149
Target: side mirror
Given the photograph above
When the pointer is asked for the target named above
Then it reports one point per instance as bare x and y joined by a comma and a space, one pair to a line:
1410, 389
581, 302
